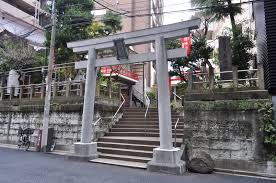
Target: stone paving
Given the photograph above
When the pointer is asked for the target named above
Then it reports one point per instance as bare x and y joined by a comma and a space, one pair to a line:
18, 166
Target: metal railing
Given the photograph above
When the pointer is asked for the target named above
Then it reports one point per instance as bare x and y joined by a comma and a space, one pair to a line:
175, 133
177, 96
147, 102
119, 107
239, 78
98, 121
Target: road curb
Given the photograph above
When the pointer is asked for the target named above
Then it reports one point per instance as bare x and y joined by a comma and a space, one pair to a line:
245, 173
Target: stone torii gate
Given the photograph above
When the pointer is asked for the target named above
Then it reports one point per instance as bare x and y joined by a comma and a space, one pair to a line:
166, 157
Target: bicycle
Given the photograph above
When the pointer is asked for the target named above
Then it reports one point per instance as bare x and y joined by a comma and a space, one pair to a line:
24, 137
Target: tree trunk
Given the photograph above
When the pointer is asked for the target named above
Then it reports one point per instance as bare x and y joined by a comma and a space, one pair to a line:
232, 17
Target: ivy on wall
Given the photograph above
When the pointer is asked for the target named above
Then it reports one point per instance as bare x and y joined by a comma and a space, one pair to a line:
269, 125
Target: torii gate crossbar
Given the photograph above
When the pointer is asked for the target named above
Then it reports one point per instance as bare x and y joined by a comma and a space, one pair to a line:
165, 158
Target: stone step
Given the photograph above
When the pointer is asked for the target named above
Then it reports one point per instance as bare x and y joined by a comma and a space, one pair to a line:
149, 116
138, 134
120, 163
125, 158
145, 123
136, 140
126, 146
142, 130
146, 119
128, 152
144, 111
139, 109
156, 126
144, 141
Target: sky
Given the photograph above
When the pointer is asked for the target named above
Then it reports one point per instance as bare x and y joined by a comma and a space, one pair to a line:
175, 5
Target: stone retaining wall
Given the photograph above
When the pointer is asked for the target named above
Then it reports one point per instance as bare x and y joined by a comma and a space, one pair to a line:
224, 129
64, 118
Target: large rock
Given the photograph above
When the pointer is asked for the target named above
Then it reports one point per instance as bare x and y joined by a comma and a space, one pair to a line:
200, 162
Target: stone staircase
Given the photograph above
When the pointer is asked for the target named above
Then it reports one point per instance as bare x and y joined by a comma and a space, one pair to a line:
131, 141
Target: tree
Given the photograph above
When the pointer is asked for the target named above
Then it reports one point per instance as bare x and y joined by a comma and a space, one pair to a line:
241, 42
219, 9
15, 53
75, 22
200, 53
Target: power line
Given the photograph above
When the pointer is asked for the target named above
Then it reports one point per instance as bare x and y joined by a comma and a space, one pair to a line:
108, 8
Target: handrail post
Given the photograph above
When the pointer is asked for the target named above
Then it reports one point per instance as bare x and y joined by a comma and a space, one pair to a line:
81, 88
260, 75
11, 92
54, 89
67, 91
235, 77
31, 91
20, 92
42, 89
2, 93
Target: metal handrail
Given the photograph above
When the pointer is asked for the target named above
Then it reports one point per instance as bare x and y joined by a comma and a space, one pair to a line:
119, 107
177, 96
148, 104
97, 121
175, 126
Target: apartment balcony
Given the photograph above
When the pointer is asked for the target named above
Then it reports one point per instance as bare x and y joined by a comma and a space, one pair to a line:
19, 14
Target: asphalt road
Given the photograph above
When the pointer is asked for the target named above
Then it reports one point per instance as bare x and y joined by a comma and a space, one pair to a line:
17, 166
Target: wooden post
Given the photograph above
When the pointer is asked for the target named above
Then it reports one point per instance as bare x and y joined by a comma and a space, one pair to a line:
2, 93
211, 79
42, 89
235, 77
260, 75
31, 91
81, 88
54, 89
67, 89
20, 92
11, 92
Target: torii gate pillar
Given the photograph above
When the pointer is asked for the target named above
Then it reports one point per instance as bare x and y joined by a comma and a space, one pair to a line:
165, 158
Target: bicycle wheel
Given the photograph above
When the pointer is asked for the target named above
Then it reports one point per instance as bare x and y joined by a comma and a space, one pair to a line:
27, 145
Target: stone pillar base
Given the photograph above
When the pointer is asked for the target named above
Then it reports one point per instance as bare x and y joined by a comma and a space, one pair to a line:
167, 161
84, 151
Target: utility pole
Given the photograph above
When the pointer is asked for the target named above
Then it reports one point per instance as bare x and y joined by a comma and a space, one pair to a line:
47, 104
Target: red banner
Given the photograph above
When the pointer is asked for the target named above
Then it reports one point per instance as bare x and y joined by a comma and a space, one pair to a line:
187, 43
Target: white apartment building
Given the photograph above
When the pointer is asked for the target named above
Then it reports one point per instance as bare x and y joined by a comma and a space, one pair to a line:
24, 18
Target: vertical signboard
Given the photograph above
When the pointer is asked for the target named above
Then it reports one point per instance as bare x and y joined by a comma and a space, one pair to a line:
187, 43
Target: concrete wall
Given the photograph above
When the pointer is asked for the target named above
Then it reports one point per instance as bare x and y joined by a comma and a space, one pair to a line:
227, 130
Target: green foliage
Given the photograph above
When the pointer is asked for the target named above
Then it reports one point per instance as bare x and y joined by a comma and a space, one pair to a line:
200, 52
75, 22
269, 127
15, 53
152, 94
241, 47
241, 42
220, 9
